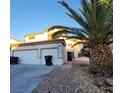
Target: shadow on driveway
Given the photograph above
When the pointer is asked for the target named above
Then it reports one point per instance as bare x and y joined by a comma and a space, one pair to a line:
23, 78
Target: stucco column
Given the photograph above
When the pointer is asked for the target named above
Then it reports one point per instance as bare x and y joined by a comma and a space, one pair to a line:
61, 51
39, 56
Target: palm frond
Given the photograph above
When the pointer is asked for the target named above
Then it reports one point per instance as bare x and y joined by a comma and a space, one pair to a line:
96, 20
73, 14
81, 42
68, 33
60, 33
76, 37
58, 27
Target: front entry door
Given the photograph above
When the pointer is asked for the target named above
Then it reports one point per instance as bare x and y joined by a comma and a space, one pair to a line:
69, 56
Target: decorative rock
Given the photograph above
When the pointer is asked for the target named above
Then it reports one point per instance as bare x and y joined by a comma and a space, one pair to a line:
75, 79
109, 81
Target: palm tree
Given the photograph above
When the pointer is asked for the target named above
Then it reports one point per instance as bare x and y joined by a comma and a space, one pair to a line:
96, 22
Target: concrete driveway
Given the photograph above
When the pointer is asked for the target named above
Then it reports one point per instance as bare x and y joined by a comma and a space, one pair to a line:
23, 78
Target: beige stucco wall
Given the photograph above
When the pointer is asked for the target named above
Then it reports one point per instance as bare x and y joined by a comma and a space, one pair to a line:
13, 41
76, 49
39, 37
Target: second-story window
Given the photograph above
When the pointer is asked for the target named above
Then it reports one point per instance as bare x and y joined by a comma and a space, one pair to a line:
31, 37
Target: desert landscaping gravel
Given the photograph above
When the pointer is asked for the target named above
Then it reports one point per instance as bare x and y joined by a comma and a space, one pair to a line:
68, 79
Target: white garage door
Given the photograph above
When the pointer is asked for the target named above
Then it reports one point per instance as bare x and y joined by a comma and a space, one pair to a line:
52, 52
27, 56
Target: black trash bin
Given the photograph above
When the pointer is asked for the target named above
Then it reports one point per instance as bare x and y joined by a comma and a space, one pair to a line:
48, 59
13, 60
16, 60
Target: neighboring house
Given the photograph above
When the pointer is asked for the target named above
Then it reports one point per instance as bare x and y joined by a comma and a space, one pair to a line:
38, 45
13, 41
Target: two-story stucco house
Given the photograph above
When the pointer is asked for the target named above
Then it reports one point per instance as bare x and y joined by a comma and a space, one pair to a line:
38, 45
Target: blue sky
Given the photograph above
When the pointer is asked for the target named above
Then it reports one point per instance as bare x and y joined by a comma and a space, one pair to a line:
29, 16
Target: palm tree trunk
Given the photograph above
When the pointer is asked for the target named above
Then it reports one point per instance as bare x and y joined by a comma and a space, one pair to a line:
101, 58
